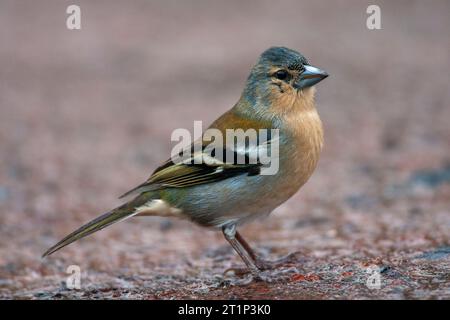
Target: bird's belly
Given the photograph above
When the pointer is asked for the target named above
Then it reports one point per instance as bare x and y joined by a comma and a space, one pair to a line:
230, 200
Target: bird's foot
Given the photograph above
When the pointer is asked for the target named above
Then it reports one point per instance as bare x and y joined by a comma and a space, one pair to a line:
265, 265
287, 261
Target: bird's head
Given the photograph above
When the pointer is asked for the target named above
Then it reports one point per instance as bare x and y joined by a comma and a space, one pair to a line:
281, 76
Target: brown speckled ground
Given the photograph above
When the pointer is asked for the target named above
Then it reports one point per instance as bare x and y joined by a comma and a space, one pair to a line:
85, 115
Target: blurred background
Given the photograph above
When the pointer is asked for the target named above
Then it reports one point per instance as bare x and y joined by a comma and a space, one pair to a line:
87, 114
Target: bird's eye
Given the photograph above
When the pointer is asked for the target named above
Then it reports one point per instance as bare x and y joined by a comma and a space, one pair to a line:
281, 74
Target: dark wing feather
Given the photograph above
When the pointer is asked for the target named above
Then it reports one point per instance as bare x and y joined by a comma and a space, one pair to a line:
189, 173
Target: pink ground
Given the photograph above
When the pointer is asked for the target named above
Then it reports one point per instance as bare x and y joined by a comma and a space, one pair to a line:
86, 115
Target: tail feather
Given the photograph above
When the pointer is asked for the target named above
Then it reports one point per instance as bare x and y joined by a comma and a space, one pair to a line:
119, 214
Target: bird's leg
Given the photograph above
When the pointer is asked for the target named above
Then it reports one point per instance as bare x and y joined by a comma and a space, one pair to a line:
253, 262
240, 246
246, 246
263, 264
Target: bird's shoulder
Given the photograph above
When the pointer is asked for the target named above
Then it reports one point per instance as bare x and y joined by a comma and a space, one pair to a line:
234, 119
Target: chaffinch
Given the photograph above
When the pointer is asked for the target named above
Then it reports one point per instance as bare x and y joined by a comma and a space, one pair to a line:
278, 94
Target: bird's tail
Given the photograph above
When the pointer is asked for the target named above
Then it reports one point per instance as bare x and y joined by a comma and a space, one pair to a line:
121, 213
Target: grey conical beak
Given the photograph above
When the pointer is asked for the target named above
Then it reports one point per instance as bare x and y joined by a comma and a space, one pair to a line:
310, 77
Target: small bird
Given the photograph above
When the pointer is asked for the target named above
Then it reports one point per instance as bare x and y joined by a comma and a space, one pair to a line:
278, 95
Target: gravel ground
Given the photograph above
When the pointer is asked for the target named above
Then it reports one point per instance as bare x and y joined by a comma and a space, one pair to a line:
86, 115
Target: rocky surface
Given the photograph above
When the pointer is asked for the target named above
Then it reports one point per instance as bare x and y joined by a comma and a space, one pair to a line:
86, 115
